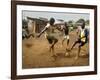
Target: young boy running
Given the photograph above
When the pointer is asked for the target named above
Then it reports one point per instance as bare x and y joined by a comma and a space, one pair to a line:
66, 36
82, 40
50, 36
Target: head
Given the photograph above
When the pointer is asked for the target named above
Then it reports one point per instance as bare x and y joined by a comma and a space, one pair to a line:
51, 21
83, 25
66, 25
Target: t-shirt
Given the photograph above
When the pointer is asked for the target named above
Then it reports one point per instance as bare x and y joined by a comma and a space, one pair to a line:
50, 30
84, 34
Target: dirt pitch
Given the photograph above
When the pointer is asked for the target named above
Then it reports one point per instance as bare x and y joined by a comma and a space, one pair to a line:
35, 53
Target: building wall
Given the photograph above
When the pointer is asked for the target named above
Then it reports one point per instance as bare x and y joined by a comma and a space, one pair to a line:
36, 25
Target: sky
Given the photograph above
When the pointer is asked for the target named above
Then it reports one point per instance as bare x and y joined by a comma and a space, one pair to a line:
66, 16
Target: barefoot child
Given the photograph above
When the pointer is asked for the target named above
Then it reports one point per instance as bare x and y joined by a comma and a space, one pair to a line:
49, 34
66, 36
82, 40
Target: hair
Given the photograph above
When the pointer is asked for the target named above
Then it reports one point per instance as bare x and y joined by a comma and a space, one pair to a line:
51, 21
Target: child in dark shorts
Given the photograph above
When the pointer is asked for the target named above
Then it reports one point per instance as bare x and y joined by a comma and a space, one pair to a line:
49, 34
66, 33
82, 40
66, 36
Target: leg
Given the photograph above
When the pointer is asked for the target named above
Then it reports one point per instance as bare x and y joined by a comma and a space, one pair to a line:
65, 37
79, 49
52, 46
63, 41
67, 44
67, 40
74, 44
52, 41
33, 35
67, 51
77, 55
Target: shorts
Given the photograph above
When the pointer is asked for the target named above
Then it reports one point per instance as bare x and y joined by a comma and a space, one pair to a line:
81, 42
66, 37
51, 39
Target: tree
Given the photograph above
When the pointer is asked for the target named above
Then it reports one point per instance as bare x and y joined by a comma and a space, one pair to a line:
24, 23
87, 22
80, 21
70, 23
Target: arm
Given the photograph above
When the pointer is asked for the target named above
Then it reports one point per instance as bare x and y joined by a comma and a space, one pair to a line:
42, 31
46, 27
60, 29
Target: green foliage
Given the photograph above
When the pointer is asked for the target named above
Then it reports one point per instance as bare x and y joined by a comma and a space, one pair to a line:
24, 23
80, 20
70, 23
87, 22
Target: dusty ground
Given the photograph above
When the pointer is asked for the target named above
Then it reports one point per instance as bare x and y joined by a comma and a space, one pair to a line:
35, 53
